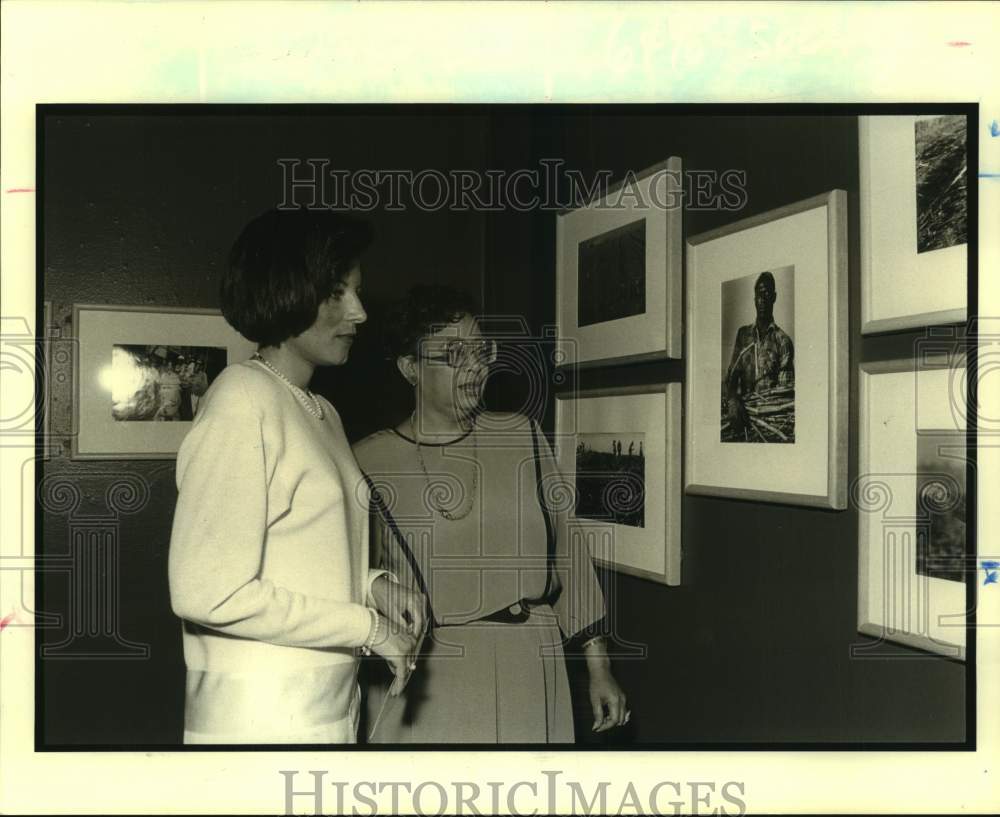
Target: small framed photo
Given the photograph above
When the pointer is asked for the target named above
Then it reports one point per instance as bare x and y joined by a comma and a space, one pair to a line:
618, 268
139, 373
914, 221
766, 356
622, 450
911, 498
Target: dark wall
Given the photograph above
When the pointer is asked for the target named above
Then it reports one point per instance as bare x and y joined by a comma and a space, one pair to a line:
754, 646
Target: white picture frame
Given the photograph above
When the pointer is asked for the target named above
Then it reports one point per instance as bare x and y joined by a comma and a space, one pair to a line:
650, 414
903, 408
804, 463
901, 287
586, 316
98, 329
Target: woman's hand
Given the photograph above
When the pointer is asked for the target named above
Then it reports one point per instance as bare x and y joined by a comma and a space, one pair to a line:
406, 608
399, 648
606, 698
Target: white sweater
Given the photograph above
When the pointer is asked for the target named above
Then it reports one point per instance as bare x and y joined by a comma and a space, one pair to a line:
269, 551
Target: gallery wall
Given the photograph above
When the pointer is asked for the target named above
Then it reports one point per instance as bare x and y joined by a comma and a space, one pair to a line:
756, 644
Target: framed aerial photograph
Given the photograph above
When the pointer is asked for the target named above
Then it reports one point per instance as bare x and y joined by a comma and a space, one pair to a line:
139, 373
621, 448
914, 221
911, 496
766, 356
618, 268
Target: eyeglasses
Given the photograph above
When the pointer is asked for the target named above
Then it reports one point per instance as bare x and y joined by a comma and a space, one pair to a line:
460, 352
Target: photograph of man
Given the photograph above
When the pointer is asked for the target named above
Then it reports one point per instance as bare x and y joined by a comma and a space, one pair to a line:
758, 389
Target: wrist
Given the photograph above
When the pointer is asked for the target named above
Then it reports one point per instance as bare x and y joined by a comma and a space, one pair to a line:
377, 632
596, 654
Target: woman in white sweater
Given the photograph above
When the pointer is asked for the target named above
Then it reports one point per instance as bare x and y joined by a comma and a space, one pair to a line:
268, 555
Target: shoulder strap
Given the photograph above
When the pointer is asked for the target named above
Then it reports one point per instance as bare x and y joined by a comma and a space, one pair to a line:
550, 531
400, 540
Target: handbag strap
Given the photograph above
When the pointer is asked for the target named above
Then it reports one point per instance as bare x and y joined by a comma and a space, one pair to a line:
386, 516
550, 532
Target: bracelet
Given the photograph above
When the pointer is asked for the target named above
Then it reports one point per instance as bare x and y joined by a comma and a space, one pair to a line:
590, 641
373, 632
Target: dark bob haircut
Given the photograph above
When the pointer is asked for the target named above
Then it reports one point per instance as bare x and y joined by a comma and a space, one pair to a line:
283, 266
425, 309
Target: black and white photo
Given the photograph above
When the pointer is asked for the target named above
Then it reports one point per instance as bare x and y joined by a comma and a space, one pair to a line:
940, 505
758, 385
611, 478
941, 181
160, 383
612, 275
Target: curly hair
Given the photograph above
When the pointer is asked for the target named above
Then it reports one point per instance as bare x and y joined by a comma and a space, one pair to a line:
424, 310
284, 264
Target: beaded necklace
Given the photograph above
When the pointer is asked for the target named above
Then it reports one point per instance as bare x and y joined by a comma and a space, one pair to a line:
449, 515
308, 400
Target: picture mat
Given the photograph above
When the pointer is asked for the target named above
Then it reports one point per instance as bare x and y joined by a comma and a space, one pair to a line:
97, 330
654, 548
801, 240
656, 330
888, 455
899, 285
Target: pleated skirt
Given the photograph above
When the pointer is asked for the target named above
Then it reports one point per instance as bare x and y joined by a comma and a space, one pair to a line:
480, 683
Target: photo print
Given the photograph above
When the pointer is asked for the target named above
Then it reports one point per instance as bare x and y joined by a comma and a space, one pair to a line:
941, 181
758, 358
160, 383
940, 505
612, 275
611, 478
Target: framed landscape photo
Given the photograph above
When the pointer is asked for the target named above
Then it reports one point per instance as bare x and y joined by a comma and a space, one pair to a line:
621, 448
914, 221
912, 499
139, 373
766, 398
618, 268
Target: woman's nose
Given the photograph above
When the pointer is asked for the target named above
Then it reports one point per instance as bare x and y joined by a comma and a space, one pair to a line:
358, 314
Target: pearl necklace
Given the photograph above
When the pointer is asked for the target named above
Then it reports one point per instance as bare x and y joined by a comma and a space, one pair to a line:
449, 515
308, 400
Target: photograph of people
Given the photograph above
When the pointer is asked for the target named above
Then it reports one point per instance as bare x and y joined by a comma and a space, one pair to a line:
503, 586
758, 390
268, 562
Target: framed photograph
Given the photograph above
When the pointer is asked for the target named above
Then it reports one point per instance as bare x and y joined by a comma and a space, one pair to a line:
618, 271
767, 356
622, 450
911, 497
139, 373
914, 221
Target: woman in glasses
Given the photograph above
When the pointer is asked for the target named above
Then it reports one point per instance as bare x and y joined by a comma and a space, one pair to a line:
269, 550
470, 518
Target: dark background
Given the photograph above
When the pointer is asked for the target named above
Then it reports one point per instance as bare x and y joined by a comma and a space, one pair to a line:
141, 210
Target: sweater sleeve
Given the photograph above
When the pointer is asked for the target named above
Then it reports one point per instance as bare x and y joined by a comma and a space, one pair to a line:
217, 541
580, 605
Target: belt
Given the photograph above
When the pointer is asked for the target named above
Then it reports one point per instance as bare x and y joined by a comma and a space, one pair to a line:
517, 613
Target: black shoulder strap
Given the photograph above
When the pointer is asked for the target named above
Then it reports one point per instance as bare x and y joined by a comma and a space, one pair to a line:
404, 548
550, 531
